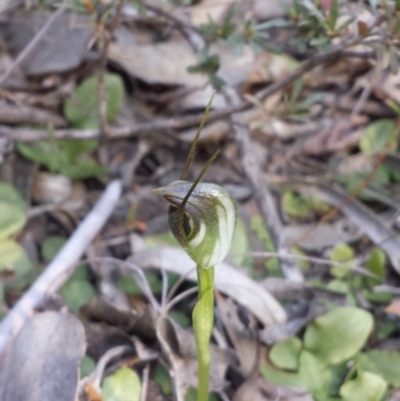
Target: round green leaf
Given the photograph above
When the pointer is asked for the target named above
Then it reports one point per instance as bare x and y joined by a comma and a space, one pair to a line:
385, 364
296, 205
51, 246
12, 219
9, 194
377, 135
123, 385
77, 293
338, 335
88, 365
11, 255
82, 110
366, 387
285, 355
342, 253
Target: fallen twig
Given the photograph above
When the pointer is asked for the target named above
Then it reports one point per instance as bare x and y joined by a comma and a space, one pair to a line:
58, 271
30, 135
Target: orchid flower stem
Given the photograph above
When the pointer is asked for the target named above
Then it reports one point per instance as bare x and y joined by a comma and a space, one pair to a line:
203, 321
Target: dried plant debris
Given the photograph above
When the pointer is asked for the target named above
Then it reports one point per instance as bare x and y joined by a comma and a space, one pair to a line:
99, 105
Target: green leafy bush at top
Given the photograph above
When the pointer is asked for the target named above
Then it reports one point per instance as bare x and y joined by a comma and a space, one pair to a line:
82, 110
69, 158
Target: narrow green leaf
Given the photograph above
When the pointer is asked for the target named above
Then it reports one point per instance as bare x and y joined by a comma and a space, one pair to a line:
376, 265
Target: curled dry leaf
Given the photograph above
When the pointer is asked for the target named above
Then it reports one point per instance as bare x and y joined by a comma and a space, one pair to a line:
258, 389
243, 338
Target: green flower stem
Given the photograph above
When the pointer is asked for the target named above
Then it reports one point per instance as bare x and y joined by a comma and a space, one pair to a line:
203, 321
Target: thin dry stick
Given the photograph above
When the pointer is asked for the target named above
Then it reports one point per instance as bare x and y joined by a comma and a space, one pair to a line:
103, 67
58, 271
357, 269
30, 135
31, 45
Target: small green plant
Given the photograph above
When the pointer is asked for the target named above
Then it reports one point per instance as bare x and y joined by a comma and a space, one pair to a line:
12, 219
202, 218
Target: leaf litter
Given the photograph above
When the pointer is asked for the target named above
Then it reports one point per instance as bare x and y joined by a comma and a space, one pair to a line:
327, 138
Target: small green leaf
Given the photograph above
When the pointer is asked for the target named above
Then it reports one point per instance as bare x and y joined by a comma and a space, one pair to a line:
313, 375
304, 264
385, 330
123, 385
378, 297
257, 225
385, 364
68, 158
77, 293
342, 253
338, 335
82, 110
240, 245
181, 318
87, 366
376, 265
339, 286
12, 255
51, 247
128, 285
377, 135
365, 387
8, 194
12, 219
162, 378
296, 205
285, 355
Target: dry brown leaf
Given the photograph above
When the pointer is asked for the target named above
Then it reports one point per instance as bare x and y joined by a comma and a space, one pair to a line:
394, 307
42, 363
